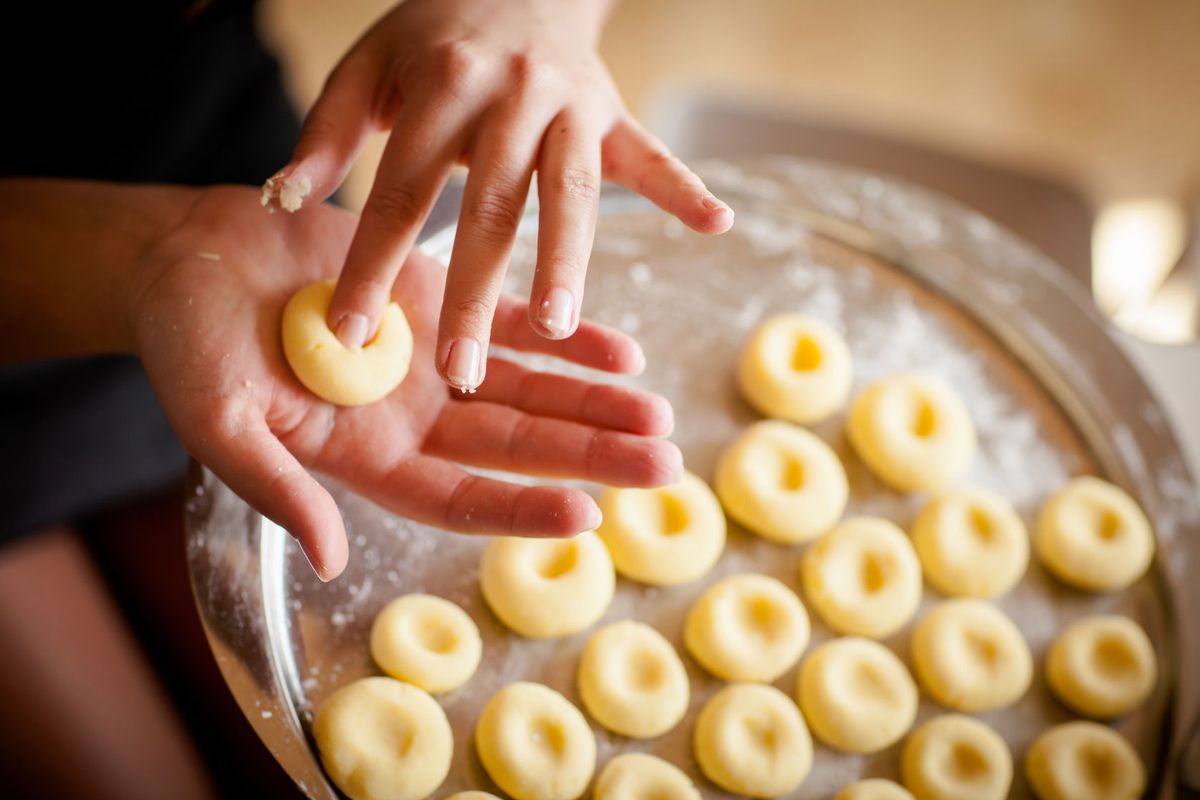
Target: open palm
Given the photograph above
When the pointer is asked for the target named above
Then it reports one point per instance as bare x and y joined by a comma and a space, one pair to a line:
208, 334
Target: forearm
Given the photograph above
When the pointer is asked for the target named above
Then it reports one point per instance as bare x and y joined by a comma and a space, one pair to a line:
69, 258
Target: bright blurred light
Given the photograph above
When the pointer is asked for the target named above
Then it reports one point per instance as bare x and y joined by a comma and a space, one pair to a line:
1136, 243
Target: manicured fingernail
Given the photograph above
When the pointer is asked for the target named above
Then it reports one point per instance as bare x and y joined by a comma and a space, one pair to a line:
557, 310
351, 331
462, 365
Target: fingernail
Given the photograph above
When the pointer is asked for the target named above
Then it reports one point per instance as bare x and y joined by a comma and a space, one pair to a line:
639, 361
351, 330
713, 204
462, 365
557, 310
312, 561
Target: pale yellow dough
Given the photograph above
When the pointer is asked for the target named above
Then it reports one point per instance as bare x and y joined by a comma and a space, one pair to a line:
954, 757
427, 641
664, 536
1094, 536
913, 431
1102, 666
381, 739
971, 543
632, 680
970, 657
747, 628
1084, 761
332, 371
863, 578
795, 368
541, 588
638, 776
473, 795
856, 695
782, 482
751, 740
873, 789
534, 744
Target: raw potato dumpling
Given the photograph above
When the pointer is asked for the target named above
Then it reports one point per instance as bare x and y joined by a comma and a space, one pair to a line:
534, 744
747, 628
632, 681
751, 740
381, 739
1102, 666
782, 482
344, 376
426, 641
473, 795
664, 536
1084, 761
954, 757
863, 578
856, 695
971, 543
970, 657
795, 368
1094, 536
541, 588
913, 431
873, 789
638, 776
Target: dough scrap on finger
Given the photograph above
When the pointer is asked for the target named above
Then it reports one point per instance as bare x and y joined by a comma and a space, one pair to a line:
782, 482
1102, 666
953, 757
1084, 761
795, 368
913, 431
972, 543
382, 739
750, 739
632, 680
542, 588
342, 375
665, 536
535, 744
1094, 536
863, 578
427, 641
747, 627
856, 695
970, 657
639, 776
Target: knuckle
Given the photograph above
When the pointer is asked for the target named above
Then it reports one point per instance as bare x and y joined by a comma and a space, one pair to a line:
396, 204
474, 310
455, 63
579, 184
494, 213
528, 72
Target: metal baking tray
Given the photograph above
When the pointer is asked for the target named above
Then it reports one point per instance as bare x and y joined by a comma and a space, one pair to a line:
915, 281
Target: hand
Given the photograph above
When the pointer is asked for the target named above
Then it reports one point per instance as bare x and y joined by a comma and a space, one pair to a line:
508, 88
208, 334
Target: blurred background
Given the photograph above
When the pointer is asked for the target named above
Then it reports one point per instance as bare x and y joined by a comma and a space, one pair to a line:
1074, 122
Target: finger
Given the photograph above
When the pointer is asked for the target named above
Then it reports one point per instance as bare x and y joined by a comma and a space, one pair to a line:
334, 132
498, 437
636, 159
546, 394
569, 194
501, 166
415, 164
593, 345
436, 492
256, 466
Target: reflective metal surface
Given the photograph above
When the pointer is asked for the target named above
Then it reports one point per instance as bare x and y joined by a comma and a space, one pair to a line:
915, 281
